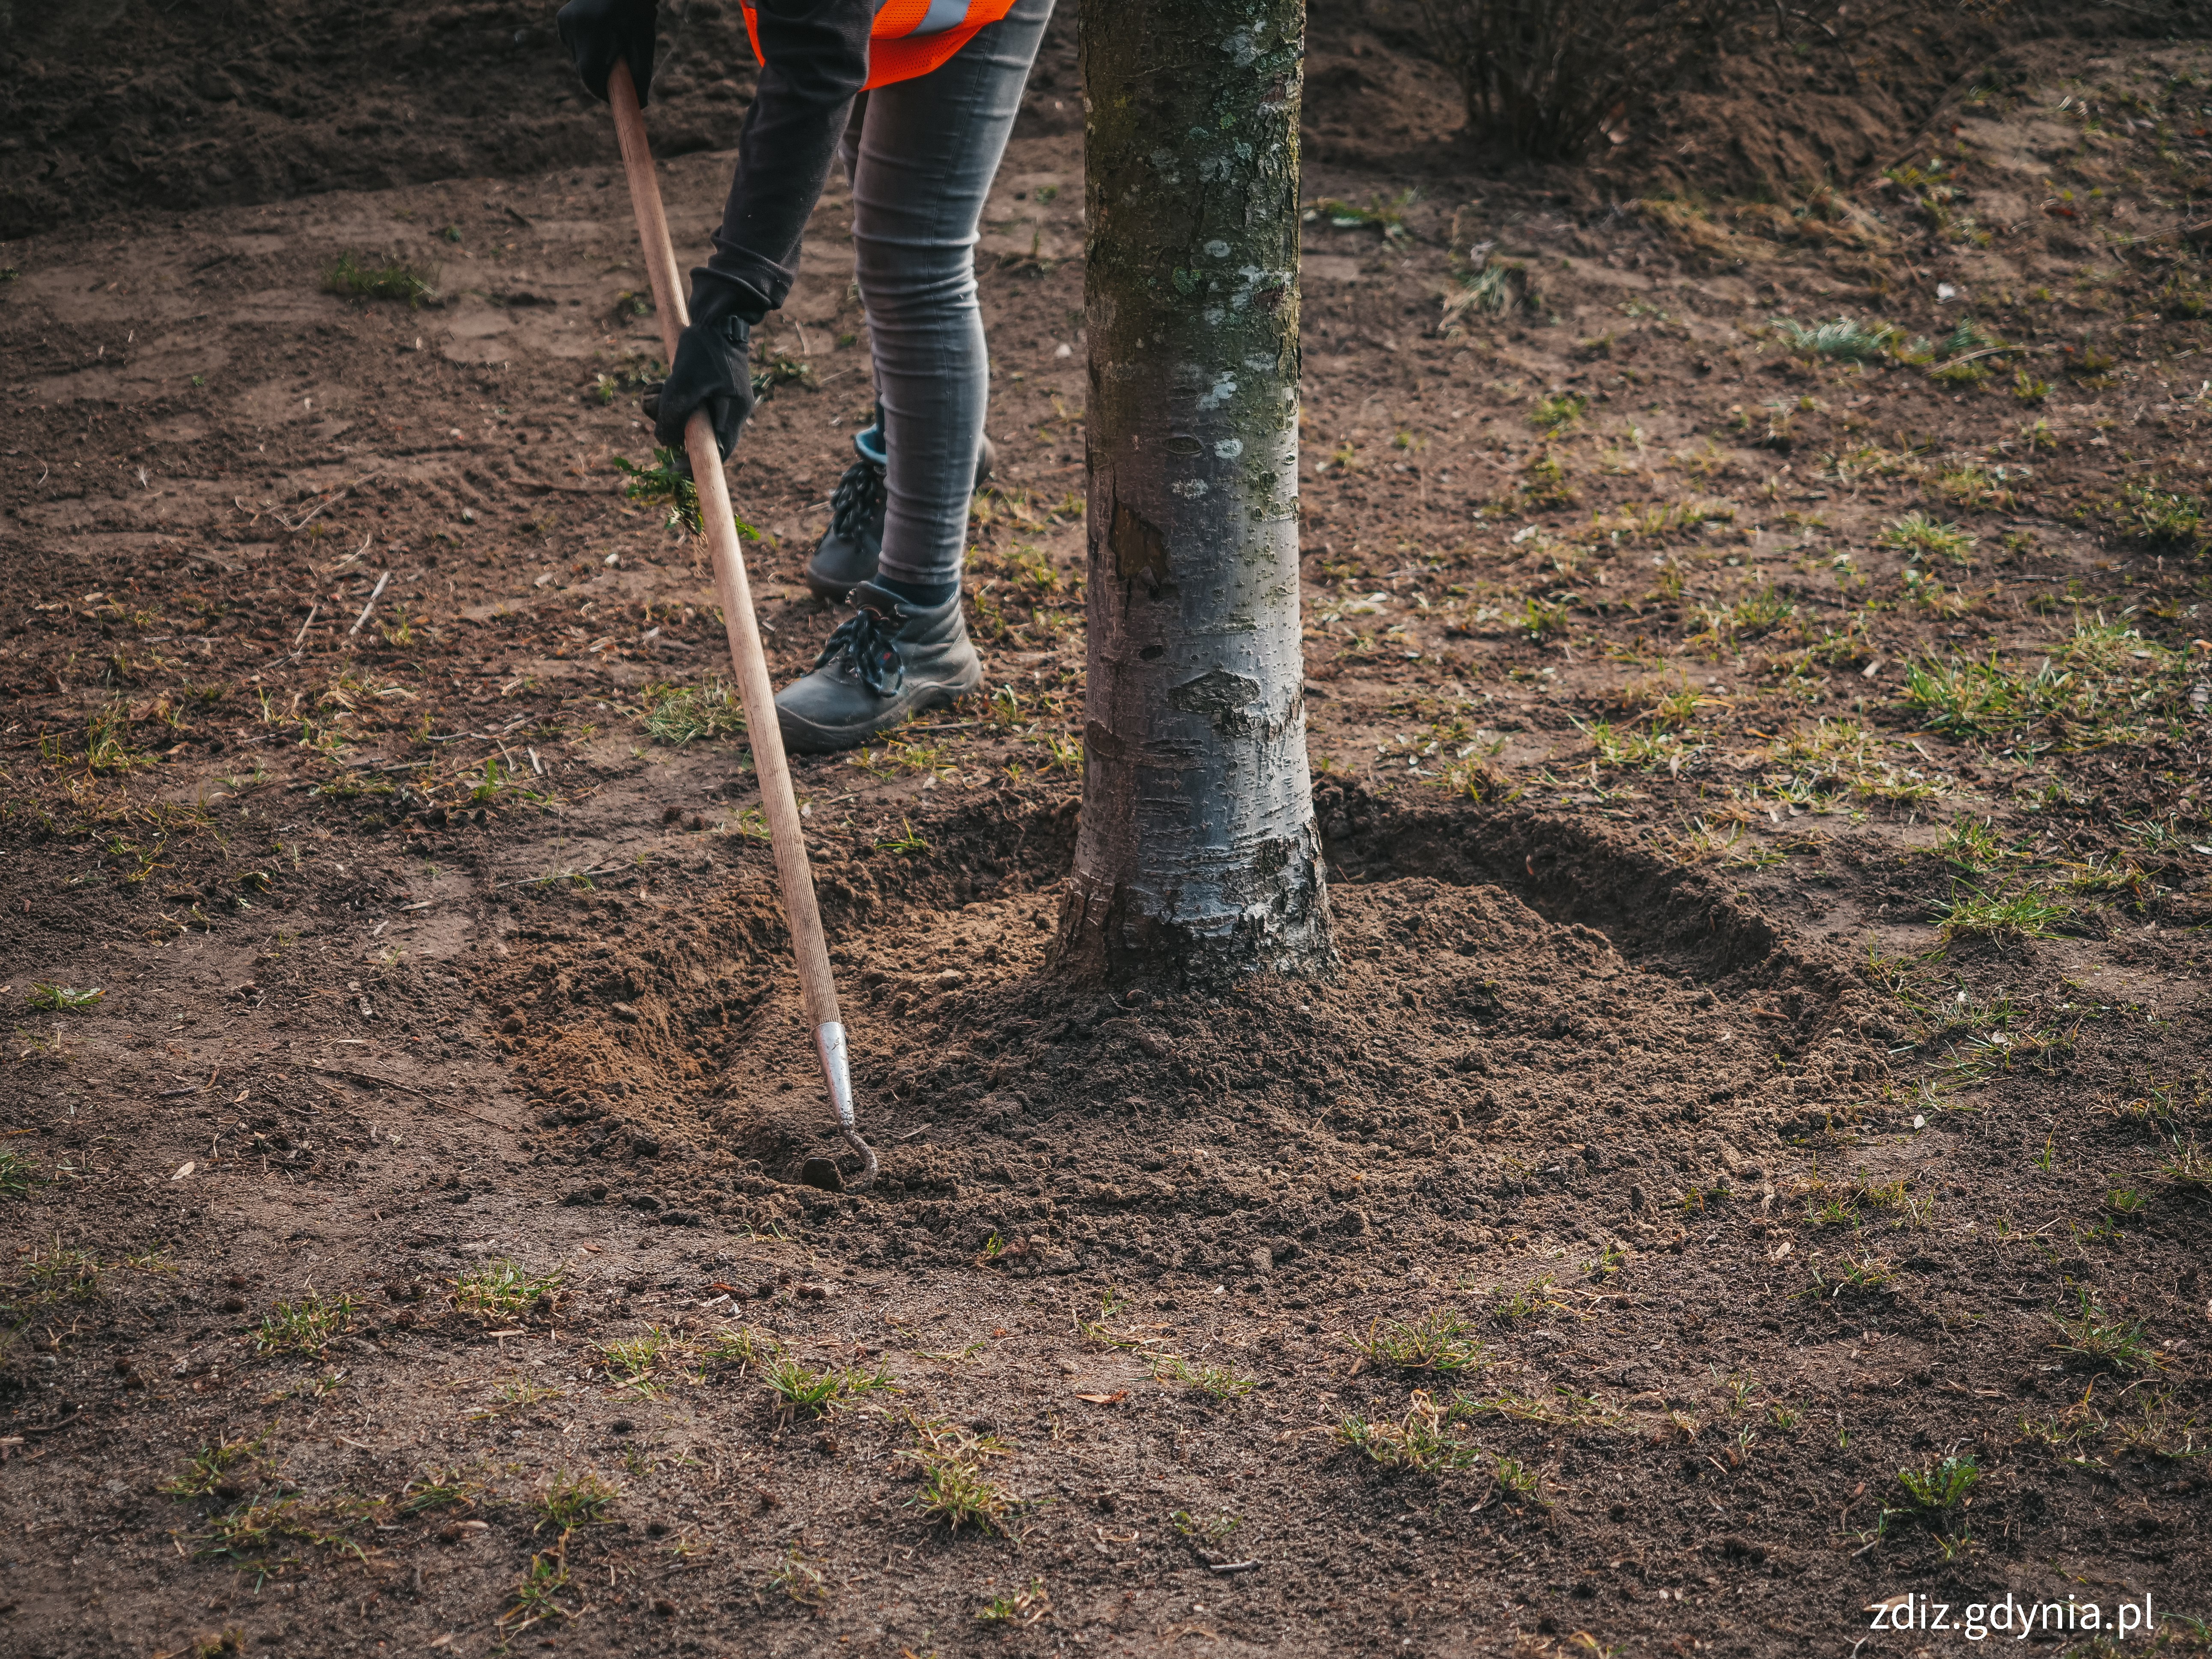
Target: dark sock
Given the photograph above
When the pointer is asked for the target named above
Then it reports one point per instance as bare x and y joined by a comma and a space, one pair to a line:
927, 595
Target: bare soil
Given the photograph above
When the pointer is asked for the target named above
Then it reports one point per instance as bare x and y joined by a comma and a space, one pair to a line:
1768, 1069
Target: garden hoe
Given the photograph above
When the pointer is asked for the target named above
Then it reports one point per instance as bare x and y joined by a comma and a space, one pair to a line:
817, 989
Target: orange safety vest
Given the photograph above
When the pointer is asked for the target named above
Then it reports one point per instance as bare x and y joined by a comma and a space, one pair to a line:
911, 37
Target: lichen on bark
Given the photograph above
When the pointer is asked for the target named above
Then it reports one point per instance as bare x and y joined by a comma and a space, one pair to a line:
1197, 857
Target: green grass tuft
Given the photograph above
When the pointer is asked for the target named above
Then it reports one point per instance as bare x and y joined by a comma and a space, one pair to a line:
397, 280
308, 1326
1921, 537
2103, 1339
678, 714
1845, 338
1441, 1341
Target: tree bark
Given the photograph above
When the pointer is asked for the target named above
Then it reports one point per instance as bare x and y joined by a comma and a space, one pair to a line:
1197, 858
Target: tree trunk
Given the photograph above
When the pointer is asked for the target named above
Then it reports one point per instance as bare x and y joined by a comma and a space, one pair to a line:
1197, 858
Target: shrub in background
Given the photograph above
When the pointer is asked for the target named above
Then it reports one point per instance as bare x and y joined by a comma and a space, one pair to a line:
1546, 76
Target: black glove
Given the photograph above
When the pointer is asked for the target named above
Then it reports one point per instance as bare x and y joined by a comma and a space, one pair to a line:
600, 34
712, 369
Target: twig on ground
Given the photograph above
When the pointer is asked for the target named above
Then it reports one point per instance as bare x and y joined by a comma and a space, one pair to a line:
375, 594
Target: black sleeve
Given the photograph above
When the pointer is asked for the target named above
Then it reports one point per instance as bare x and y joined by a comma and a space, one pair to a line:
818, 60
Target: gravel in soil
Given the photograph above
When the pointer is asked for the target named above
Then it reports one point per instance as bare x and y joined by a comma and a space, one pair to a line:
1748, 1167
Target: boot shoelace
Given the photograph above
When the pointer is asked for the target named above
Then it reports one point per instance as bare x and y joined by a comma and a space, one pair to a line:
865, 643
859, 493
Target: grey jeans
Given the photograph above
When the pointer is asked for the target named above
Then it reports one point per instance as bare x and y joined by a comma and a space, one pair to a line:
921, 155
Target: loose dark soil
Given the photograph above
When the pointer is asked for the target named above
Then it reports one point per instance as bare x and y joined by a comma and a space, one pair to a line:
1769, 1050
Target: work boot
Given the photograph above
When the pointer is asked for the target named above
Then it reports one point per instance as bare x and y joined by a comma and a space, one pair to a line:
847, 555
892, 660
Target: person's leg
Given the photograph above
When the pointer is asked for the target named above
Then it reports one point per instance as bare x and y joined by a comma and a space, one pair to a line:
929, 151
849, 550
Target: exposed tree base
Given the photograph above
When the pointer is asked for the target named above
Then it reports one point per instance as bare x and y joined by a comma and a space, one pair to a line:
1111, 934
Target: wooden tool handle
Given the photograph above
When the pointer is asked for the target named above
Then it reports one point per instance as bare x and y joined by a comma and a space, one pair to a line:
817, 988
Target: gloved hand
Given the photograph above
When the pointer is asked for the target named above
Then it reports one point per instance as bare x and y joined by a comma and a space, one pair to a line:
712, 370
600, 34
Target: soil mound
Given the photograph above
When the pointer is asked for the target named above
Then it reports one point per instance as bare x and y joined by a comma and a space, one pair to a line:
1534, 1028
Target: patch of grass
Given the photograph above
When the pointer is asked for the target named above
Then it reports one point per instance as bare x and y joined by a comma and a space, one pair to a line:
1940, 1486
60, 1273
798, 1387
2164, 518
678, 714
905, 842
1562, 1408
1542, 619
800, 1580
213, 1466
18, 1175
1019, 1610
1981, 1059
1111, 1305
1517, 1481
1530, 1301
1976, 698
646, 1362
2154, 1431
745, 1347
1762, 612
1426, 1439
954, 1487
1546, 484
1622, 745
517, 1395
536, 1597
666, 484
576, 1500
502, 1290
1553, 415
1440, 1340
106, 743
63, 998
438, 1489
309, 1326
1609, 1261
2189, 1166
2091, 1332
1845, 339
1973, 914
1978, 488
1920, 536
252, 1532
1209, 1531
396, 279
1218, 1381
